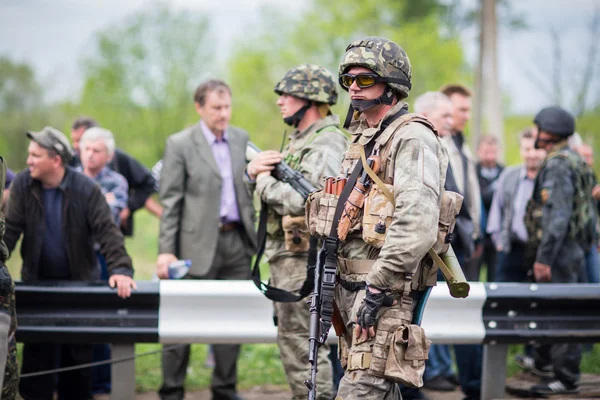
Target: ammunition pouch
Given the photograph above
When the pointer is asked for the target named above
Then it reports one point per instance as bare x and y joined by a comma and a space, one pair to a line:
449, 209
377, 216
296, 235
409, 348
399, 351
320, 209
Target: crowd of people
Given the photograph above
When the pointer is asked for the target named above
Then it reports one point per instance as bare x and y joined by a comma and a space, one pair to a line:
536, 221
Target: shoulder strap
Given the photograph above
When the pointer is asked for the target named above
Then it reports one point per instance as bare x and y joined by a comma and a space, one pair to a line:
403, 120
271, 292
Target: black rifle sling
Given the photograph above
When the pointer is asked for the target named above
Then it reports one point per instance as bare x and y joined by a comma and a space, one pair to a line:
328, 275
271, 292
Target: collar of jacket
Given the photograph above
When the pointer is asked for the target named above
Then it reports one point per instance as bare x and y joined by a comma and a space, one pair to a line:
362, 133
36, 185
558, 146
298, 139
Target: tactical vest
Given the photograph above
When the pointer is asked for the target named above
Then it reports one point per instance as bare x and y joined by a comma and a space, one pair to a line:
582, 222
291, 228
376, 213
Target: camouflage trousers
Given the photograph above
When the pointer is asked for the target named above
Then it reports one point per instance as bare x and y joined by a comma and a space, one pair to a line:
292, 332
359, 383
10, 384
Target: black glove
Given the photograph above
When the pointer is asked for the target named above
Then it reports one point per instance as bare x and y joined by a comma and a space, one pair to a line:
367, 312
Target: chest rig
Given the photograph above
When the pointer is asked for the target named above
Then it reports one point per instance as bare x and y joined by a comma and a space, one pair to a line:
371, 204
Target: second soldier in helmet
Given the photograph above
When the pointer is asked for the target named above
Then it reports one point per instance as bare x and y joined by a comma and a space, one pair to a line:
315, 149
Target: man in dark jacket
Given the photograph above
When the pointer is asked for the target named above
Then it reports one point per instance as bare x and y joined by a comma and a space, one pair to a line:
61, 213
560, 228
139, 178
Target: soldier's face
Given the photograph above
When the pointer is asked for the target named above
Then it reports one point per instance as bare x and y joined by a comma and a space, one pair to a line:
216, 111
76, 135
441, 118
531, 156
462, 111
368, 93
289, 105
94, 155
545, 140
41, 164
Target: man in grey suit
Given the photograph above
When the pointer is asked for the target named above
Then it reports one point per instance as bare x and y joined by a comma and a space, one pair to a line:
208, 218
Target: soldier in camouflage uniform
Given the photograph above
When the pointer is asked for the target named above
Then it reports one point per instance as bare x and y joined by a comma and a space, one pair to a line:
376, 72
10, 382
306, 93
560, 221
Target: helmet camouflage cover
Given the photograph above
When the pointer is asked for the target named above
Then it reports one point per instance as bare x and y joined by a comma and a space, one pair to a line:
309, 81
382, 56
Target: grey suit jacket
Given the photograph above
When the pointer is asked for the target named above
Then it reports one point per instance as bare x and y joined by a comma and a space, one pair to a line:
190, 192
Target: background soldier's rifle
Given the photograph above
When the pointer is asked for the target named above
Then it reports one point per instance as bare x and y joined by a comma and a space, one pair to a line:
284, 173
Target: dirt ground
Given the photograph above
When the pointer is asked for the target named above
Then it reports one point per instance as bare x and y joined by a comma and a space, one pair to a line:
589, 389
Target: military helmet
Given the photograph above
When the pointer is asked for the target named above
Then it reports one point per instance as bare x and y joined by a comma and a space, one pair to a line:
556, 121
382, 56
310, 82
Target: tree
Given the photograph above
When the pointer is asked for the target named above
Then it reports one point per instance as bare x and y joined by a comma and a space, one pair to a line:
140, 78
21, 109
320, 36
574, 89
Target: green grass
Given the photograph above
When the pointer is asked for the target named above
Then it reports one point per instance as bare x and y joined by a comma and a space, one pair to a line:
259, 364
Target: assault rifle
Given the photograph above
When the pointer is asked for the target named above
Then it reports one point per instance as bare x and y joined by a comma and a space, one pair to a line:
284, 173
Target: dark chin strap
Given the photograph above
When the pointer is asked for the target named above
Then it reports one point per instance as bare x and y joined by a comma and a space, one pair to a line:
386, 98
295, 119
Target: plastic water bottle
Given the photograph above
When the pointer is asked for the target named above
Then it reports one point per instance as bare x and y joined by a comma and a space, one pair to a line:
178, 269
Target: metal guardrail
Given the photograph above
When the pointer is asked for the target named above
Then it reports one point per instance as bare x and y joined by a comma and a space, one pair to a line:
235, 312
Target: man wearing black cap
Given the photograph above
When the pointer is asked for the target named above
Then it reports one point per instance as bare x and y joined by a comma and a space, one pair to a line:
61, 213
560, 226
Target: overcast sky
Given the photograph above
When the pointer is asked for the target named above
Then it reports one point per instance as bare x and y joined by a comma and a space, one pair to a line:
52, 35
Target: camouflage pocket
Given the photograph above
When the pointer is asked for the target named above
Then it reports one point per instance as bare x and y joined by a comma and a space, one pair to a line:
387, 324
449, 209
377, 216
295, 234
343, 351
409, 348
325, 214
311, 211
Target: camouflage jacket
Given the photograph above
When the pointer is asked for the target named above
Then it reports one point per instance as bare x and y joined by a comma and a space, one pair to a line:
7, 306
555, 191
3, 249
316, 152
416, 167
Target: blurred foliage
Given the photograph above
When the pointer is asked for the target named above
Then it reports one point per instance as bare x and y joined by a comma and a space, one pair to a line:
21, 109
320, 36
140, 73
140, 80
